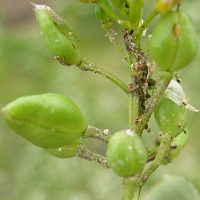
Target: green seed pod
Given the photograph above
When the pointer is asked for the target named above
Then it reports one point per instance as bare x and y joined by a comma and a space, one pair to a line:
59, 38
101, 14
173, 44
126, 154
67, 151
172, 187
171, 112
46, 120
179, 142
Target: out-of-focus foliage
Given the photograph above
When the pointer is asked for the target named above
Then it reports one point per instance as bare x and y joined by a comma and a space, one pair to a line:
26, 68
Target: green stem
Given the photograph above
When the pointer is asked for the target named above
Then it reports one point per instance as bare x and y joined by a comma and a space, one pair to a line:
84, 153
112, 14
129, 185
135, 13
93, 132
153, 14
166, 141
108, 27
163, 80
133, 110
88, 66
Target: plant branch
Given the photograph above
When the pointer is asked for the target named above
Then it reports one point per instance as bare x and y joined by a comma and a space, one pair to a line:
84, 153
93, 132
166, 141
153, 14
88, 66
108, 27
163, 80
112, 14
129, 185
133, 110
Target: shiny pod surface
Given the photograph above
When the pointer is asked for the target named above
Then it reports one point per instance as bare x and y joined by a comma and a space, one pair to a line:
47, 120
170, 113
173, 44
172, 188
66, 151
126, 153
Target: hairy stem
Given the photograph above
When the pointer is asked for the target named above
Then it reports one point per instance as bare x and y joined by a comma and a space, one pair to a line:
88, 66
93, 132
84, 153
108, 27
133, 110
163, 81
166, 141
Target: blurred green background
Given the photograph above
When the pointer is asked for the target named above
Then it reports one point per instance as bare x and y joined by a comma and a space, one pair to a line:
26, 68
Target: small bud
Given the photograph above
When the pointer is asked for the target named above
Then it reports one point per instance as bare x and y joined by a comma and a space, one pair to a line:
164, 6
59, 38
46, 120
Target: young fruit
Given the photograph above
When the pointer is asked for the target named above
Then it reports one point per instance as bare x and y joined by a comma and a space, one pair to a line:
163, 6
46, 120
101, 14
173, 44
67, 151
171, 113
59, 38
126, 154
172, 187
179, 142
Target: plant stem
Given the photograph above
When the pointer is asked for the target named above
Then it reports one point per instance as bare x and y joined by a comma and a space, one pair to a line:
84, 153
93, 132
112, 14
133, 110
88, 66
108, 27
166, 141
153, 14
135, 13
129, 185
163, 80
